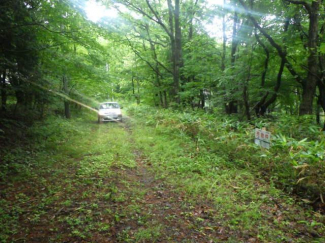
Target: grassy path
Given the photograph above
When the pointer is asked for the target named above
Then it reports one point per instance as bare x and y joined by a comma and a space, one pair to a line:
131, 183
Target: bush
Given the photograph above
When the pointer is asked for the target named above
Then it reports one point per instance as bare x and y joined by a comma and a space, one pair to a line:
295, 162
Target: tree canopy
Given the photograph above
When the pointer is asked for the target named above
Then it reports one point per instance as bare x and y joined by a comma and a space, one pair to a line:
247, 57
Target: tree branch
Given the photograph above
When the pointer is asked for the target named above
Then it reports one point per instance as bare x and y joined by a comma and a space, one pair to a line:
281, 52
40, 25
157, 20
305, 4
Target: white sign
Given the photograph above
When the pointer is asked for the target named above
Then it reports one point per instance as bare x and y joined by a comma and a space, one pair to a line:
262, 138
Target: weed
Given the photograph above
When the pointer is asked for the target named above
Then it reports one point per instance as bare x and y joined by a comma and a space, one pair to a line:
151, 234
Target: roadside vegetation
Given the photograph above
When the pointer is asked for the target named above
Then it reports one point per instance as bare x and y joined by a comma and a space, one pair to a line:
295, 162
160, 176
56, 180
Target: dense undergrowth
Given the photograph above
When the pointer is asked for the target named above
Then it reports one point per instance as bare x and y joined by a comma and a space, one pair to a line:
295, 162
61, 180
55, 179
216, 160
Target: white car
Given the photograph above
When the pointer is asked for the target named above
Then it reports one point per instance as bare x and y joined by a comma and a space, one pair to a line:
109, 111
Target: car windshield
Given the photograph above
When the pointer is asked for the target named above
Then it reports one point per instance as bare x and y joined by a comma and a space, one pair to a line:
109, 106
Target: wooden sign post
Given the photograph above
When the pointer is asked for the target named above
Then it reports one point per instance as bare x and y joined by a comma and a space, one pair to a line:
263, 138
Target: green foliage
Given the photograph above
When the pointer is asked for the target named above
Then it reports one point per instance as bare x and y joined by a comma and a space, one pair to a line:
216, 159
294, 162
63, 165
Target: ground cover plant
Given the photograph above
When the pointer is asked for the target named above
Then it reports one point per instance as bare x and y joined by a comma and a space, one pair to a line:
224, 148
56, 187
294, 162
149, 179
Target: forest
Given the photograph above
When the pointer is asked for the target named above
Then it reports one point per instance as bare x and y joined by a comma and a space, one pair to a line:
195, 79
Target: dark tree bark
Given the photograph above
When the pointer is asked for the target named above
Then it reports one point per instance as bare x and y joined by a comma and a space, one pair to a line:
263, 104
202, 99
3, 92
309, 85
276, 89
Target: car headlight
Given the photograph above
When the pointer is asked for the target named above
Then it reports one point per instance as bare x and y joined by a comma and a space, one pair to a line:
101, 113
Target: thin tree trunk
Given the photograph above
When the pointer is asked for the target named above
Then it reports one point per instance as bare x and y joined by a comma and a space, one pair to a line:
165, 99
132, 80
321, 97
66, 102
245, 95
245, 88
276, 89
223, 56
232, 105
192, 13
171, 18
3, 92
138, 96
202, 99
318, 114
156, 67
178, 50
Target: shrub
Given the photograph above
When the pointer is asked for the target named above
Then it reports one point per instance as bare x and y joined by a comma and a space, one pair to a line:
296, 160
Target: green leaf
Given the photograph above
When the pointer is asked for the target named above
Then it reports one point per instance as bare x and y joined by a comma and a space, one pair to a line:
322, 48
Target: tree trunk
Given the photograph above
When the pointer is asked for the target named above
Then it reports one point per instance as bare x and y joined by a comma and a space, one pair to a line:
309, 85
318, 114
245, 88
276, 89
267, 58
321, 97
192, 14
223, 56
282, 54
233, 104
245, 96
202, 99
165, 99
3, 92
20, 97
156, 66
178, 50
138, 96
66, 102
132, 80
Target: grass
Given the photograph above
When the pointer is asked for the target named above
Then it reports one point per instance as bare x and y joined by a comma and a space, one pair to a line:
215, 171
60, 183
149, 180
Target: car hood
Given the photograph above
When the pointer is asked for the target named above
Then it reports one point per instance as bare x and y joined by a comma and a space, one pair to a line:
108, 111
